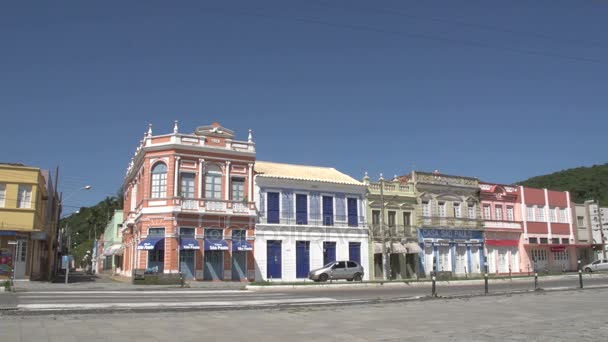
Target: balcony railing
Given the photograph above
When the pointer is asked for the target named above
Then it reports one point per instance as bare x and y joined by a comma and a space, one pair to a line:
450, 222
215, 206
397, 231
340, 221
392, 188
503, 225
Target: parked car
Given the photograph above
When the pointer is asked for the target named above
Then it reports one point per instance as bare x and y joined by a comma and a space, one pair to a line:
349, 270
598, 265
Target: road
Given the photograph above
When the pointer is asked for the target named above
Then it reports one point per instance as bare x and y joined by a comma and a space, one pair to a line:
59, 298
539, 316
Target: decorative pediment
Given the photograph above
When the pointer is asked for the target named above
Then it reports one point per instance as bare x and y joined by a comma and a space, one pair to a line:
214, 130
449, 197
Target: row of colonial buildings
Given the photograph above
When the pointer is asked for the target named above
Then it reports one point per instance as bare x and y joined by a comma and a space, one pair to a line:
200, 204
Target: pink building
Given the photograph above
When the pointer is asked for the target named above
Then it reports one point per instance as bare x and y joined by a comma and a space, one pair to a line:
501, 213
548, 238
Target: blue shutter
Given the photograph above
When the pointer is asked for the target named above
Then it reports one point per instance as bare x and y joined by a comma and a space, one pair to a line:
273, 207
340, 208
354, 251
301, 210
328, 211
352, 212
315, 207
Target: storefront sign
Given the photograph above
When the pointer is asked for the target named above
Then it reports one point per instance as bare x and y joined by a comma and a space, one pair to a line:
450, 234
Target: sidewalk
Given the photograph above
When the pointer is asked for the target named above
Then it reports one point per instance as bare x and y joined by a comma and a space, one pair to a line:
105, 282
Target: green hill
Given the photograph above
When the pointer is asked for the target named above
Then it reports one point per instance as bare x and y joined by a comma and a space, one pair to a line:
87, 224
584, 183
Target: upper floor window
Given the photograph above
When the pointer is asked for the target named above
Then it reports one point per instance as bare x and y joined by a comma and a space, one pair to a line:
580, 221
239, 234
426, 208
375, 216
213, 182
238, 189
328, 210
457, 210
159, 180
541, 214
442, 211
214, 233
186, 232
156, 232
2, 195
510, 214
471, 211
352, 211
498, 212
391, 218
272, 207
564, 216
487, 215
187, 186
553, 215
24, 197
530, 213
407, 219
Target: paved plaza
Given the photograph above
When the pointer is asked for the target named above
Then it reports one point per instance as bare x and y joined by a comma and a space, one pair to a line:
555, 316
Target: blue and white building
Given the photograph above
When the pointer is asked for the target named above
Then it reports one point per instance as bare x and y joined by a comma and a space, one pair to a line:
307, 216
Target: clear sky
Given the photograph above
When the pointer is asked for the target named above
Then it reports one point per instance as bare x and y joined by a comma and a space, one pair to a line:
500, 90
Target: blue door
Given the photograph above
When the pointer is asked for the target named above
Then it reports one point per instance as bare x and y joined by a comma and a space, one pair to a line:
273, 207
352, 213
273, 259
329, 252
186, 263
214, 265
328, 211
301, 209
354, 251
302, 259
239, 265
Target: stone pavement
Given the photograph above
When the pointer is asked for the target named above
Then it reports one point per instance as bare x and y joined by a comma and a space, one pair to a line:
555, 316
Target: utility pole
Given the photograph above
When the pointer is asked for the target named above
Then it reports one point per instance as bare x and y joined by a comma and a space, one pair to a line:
385, 261
599, 214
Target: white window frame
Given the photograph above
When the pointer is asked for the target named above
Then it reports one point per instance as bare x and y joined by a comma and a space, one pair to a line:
510, 213
457, 210
158, 184
564, 216
487, 212
24, 196
213, 175
530, 213
471, 209
498, 212
182, 187
241, 181
553, 214
441, 209
426, 208
541, 214
2, 195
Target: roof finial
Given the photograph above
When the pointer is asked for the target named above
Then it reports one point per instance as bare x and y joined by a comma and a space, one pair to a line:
150, 130
381, 176
395, 178
175, 129
250, 138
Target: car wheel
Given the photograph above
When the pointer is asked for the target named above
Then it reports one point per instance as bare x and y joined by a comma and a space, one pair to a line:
323, 277
588, 270
349, 279
358, 277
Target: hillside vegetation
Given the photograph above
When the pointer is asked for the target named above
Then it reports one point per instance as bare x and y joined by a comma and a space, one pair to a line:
584, 183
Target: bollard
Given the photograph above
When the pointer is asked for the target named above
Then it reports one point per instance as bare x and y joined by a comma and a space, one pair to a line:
486, 282
535, 281
580, 278
434, 288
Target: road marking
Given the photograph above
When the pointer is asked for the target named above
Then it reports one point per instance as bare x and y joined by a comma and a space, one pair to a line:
89, 306
140, 296
135, 292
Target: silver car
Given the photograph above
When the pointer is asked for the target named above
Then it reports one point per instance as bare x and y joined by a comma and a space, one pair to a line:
349, 270
598, 265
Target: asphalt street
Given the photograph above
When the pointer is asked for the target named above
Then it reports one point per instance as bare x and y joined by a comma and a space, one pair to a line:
539, 316
150, 299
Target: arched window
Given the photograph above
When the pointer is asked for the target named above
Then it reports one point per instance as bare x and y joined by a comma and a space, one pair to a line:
159, 180
213, 182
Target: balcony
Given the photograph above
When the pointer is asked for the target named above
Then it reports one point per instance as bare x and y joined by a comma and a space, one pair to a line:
392, 188
215, 206
315, 220
398, 231
503, 225
455, 222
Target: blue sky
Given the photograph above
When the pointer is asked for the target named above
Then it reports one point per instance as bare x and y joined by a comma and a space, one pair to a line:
497, 90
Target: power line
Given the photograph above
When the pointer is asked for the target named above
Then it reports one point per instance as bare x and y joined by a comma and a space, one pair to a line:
422, 36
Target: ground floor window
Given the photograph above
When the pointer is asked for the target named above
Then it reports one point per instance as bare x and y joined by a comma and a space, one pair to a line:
156, 261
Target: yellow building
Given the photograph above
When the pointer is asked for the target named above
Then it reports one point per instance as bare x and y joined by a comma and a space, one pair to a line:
29, 209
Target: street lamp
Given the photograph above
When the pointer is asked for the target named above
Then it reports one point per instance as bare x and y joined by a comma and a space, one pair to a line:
68, 230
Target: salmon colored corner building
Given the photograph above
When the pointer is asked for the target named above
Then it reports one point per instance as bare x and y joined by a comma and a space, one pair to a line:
188, 205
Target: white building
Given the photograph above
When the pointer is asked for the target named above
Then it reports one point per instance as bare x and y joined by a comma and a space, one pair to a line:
308, 216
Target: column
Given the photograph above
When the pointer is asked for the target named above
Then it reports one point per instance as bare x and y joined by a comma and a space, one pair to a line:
548, 215
227, 185
524, 211
176, 177
201, 177
250, 183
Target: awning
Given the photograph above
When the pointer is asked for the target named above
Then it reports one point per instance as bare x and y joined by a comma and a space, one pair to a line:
189, 243
504, 243
115, 249
413, 248
216, 245
241, 245
377, 247
152, 242
398, 248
